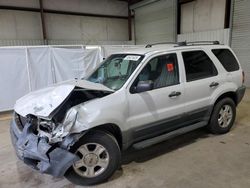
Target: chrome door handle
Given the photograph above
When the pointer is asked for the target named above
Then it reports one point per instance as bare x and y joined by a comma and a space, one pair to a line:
214, 84
174, 94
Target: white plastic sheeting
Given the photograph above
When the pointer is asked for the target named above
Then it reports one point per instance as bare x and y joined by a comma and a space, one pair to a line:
111, 49
14, 81
25, 69
40, 68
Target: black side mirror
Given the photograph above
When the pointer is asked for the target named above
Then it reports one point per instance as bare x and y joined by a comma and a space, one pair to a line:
143, 86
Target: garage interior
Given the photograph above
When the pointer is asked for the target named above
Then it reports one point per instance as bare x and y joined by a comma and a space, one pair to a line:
54, 32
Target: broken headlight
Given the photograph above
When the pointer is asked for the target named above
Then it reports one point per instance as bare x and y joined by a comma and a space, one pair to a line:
55, 132
45, 128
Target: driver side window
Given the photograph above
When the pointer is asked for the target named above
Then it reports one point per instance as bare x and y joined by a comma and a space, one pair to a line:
162, 71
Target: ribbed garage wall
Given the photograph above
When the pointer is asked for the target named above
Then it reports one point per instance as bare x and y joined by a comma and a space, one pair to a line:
155, 21
221, 35
241, 35
24, 28
203, 20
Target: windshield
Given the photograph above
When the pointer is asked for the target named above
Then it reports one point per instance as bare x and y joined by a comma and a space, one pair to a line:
115, 70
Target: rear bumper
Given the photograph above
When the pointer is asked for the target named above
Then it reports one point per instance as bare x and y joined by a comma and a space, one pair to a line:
38, 154
240, 93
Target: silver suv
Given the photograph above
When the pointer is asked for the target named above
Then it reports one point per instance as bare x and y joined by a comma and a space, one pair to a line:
78, 128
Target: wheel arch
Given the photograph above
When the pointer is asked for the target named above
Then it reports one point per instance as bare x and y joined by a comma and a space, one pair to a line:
230, 94
112, 129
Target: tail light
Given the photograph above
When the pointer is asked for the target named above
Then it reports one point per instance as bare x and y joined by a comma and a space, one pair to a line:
243, 77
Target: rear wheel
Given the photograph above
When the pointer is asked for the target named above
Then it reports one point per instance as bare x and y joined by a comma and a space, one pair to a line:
99, 155
223, 116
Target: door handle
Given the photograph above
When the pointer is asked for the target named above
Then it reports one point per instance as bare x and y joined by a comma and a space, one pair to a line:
174, 94
214, 84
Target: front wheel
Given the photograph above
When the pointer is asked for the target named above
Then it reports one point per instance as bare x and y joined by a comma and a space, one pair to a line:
99, 155
223, 116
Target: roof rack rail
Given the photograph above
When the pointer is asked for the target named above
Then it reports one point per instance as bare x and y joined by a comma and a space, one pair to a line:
159, 43
185, 43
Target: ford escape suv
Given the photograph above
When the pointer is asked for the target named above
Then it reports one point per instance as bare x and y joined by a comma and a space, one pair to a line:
78, 128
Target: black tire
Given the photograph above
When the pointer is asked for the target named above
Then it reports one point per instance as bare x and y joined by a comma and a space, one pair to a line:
214, 125
109, 142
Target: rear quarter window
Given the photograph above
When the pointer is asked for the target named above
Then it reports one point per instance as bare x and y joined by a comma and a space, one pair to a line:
227, 59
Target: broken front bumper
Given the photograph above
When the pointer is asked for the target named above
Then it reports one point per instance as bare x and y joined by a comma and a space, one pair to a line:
38, 154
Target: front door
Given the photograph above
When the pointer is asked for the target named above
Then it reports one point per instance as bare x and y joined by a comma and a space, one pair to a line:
159, 110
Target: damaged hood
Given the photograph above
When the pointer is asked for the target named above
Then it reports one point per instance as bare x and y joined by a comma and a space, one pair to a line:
43, 102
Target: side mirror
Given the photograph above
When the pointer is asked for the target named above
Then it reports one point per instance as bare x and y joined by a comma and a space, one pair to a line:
143, 86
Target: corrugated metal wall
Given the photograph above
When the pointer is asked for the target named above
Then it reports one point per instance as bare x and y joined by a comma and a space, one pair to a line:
221, 35
202, 15
24, 28
241, 34
203, 20
155, 22
34, 42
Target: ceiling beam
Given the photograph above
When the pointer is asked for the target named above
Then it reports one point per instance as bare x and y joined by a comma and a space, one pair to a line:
131, 1
185, 1
61, 12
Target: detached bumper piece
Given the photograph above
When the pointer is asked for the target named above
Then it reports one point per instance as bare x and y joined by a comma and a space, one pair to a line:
38, 154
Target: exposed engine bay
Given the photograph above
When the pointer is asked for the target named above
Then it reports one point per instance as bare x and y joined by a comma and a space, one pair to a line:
61, 121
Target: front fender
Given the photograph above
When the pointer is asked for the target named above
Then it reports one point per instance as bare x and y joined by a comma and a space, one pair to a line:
100, 117
111, 109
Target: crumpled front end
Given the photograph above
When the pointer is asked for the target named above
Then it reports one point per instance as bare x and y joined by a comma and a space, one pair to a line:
38, 153
44, 142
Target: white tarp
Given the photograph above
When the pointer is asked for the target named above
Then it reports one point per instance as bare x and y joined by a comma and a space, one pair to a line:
40, 67
90, 61
14, 81
111, 49
66, 63
25, 69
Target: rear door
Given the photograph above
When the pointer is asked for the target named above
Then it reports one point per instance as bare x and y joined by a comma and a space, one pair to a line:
202, 80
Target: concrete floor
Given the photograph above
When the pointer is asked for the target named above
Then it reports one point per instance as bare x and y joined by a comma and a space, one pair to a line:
197, 159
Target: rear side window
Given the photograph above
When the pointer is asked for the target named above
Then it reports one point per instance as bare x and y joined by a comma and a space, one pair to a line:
198, 65
227, 59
